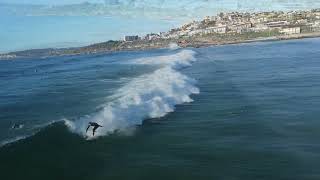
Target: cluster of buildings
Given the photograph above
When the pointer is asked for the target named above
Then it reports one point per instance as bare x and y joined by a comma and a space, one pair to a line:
236, 22
131, 38
293, 22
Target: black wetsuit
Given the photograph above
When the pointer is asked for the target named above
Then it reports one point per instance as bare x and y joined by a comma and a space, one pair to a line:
17, 126
95, 127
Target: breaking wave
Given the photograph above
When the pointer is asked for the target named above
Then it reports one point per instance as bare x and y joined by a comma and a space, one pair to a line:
174, 46
176, 61
147, 96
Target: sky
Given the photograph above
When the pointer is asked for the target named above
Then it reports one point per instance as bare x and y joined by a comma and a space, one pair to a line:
159, 2
198, 5
65, 26
50, 2
161, 9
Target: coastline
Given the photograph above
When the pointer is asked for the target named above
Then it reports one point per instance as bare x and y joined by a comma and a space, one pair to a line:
143, 45
263, 39
221, 29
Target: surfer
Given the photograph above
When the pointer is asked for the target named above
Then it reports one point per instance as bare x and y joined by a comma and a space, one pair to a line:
17, 126
95, 127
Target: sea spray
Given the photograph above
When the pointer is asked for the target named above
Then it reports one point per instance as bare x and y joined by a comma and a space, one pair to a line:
147, 96
174, 46
177, 61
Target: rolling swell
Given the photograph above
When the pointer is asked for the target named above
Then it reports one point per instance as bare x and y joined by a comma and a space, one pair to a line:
147, 96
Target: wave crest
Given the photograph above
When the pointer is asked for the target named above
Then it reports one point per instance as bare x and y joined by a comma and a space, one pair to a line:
148, 96
178, 60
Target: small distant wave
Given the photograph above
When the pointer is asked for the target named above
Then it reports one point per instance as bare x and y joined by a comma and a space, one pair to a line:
174, 46
148, 96
35, 128
8, 141
176, 61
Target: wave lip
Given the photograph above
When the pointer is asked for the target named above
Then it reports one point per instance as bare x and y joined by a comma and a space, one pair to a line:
36, 128
9, 141
148, 96
178, 60
174, 46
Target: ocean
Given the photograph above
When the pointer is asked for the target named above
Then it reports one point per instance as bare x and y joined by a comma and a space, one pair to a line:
245, 111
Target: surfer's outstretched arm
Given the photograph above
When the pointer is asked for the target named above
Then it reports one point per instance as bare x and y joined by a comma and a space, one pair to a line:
87, 128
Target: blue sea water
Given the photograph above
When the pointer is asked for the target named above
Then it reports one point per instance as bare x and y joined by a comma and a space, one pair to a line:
246, 111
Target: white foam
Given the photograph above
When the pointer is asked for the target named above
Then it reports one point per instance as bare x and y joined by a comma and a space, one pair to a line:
9, 141
178, 60
174, 46
148, 96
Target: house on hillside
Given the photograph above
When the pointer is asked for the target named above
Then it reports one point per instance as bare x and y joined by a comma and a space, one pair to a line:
277, 24
288, 30
239, 28
131, 38
152, 36
216, 29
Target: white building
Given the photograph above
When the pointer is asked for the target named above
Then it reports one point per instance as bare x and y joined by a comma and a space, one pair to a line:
291, 30
241, 27
197, 31
277, 24
216, 29
259, 27
152, 36
131, 38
